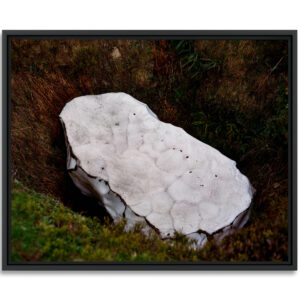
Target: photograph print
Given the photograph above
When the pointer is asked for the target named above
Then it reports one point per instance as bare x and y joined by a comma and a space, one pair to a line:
163, 150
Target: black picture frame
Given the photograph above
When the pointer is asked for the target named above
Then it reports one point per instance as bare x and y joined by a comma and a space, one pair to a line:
290, 35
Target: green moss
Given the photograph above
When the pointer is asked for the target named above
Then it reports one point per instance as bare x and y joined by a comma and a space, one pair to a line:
45, 230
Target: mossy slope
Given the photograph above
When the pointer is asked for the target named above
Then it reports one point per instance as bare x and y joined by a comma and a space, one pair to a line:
43, 229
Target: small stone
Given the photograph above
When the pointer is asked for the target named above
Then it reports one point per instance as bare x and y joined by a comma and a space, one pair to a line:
115, 54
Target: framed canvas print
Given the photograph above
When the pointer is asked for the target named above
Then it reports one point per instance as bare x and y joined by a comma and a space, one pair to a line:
149, 150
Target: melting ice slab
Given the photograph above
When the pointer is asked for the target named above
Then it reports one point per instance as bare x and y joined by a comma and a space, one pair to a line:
149, 171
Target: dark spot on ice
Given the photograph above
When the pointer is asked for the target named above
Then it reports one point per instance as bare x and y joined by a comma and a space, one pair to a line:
117, 124
180, 150
201, 184
102, 168
216, 175
174, 148
190, 172
134, 114
187, 156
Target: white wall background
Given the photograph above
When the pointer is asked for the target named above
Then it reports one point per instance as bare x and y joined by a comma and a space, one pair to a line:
153, 14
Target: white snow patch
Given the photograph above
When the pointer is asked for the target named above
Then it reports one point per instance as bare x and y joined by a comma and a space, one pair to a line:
147, 170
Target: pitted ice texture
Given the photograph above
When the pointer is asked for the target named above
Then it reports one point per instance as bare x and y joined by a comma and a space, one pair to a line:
146, 170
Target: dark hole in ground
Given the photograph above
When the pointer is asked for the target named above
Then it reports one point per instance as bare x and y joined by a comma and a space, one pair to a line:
69, 194
87, 206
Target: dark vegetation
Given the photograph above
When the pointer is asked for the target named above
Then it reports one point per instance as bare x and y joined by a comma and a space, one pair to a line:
232, 95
